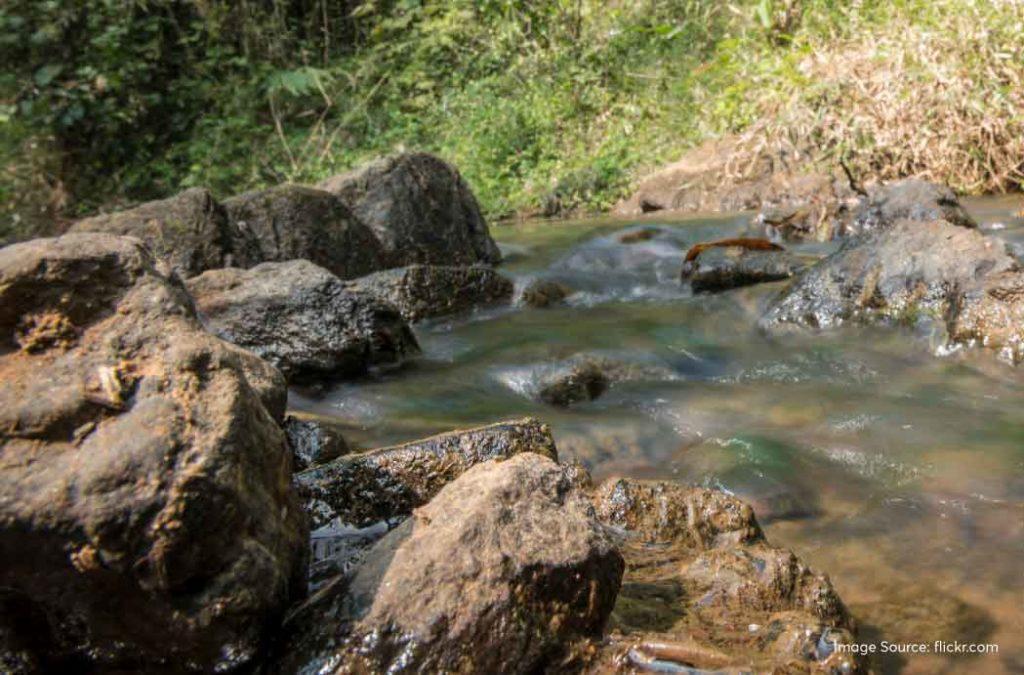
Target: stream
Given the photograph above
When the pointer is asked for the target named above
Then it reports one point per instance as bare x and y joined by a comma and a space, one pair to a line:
896, 470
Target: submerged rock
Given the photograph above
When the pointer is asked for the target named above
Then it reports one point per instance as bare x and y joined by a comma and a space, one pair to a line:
909, 199
906, 272
313, 441
638, 235
704, 590
423, 291
500, 572
388, 483
420, 209
574, 382
542, 293
290, 222
731, 263
669, 512
303, 319
147, 518
189, 231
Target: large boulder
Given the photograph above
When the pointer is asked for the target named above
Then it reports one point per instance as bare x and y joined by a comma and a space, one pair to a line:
424, 291
420, 208
302, 319
293, 221
388, 483
189, 231
500, 573
147, 517
910, 199
909, 271
705, 591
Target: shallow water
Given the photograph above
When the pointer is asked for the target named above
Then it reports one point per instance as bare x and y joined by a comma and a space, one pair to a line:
899, 472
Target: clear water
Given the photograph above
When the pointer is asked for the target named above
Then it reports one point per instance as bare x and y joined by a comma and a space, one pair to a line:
898, 472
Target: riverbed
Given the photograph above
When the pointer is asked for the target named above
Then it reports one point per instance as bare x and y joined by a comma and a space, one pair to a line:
881, 459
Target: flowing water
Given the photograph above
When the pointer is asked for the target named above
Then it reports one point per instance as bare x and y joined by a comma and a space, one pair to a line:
897, 471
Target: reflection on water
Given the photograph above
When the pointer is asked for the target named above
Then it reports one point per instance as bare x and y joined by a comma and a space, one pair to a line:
898, 472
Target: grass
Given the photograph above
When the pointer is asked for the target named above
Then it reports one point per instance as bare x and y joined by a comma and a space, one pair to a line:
560, 106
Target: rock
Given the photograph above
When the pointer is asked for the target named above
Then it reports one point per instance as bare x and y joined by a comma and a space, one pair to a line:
576, 381
291, 222
990, 314
704, 590
796, 199
908, 200
147, 518
635, 236
423, 291
719, 266
388, 483
313, 441
302, 319
189, 231
660, 511
502, 571
910, 271
421, 210
542, 293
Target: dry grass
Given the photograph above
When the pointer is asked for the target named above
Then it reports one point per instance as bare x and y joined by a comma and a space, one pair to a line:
906, 99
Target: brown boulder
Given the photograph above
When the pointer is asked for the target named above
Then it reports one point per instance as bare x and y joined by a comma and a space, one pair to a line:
420, 208
290, 222
388, 483
500, 573
189, 231
424, 291
147, 518
302, 319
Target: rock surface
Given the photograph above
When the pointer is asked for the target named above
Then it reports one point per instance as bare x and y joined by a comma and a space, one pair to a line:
421, 210
991, 314
703, 590
424, 291
576, 381
722, 267
147, 518
291, 222
302, 319
908, 271
388, 483
909, 199
542, 293
500, 572
189, 231
313, 441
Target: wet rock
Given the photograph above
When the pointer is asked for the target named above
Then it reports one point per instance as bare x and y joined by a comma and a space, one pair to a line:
189, 231
388, 483
909, 199
543, 293
574, 382
302, 319
760, 578
703, 588
423, 291
147, 518
991, 314
721, 266
500, 572
910, 271
660, 512
289, 222
636, 236
421, 210
313, 441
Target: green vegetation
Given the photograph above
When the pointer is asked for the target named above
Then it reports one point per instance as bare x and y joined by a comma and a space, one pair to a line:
545, 105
